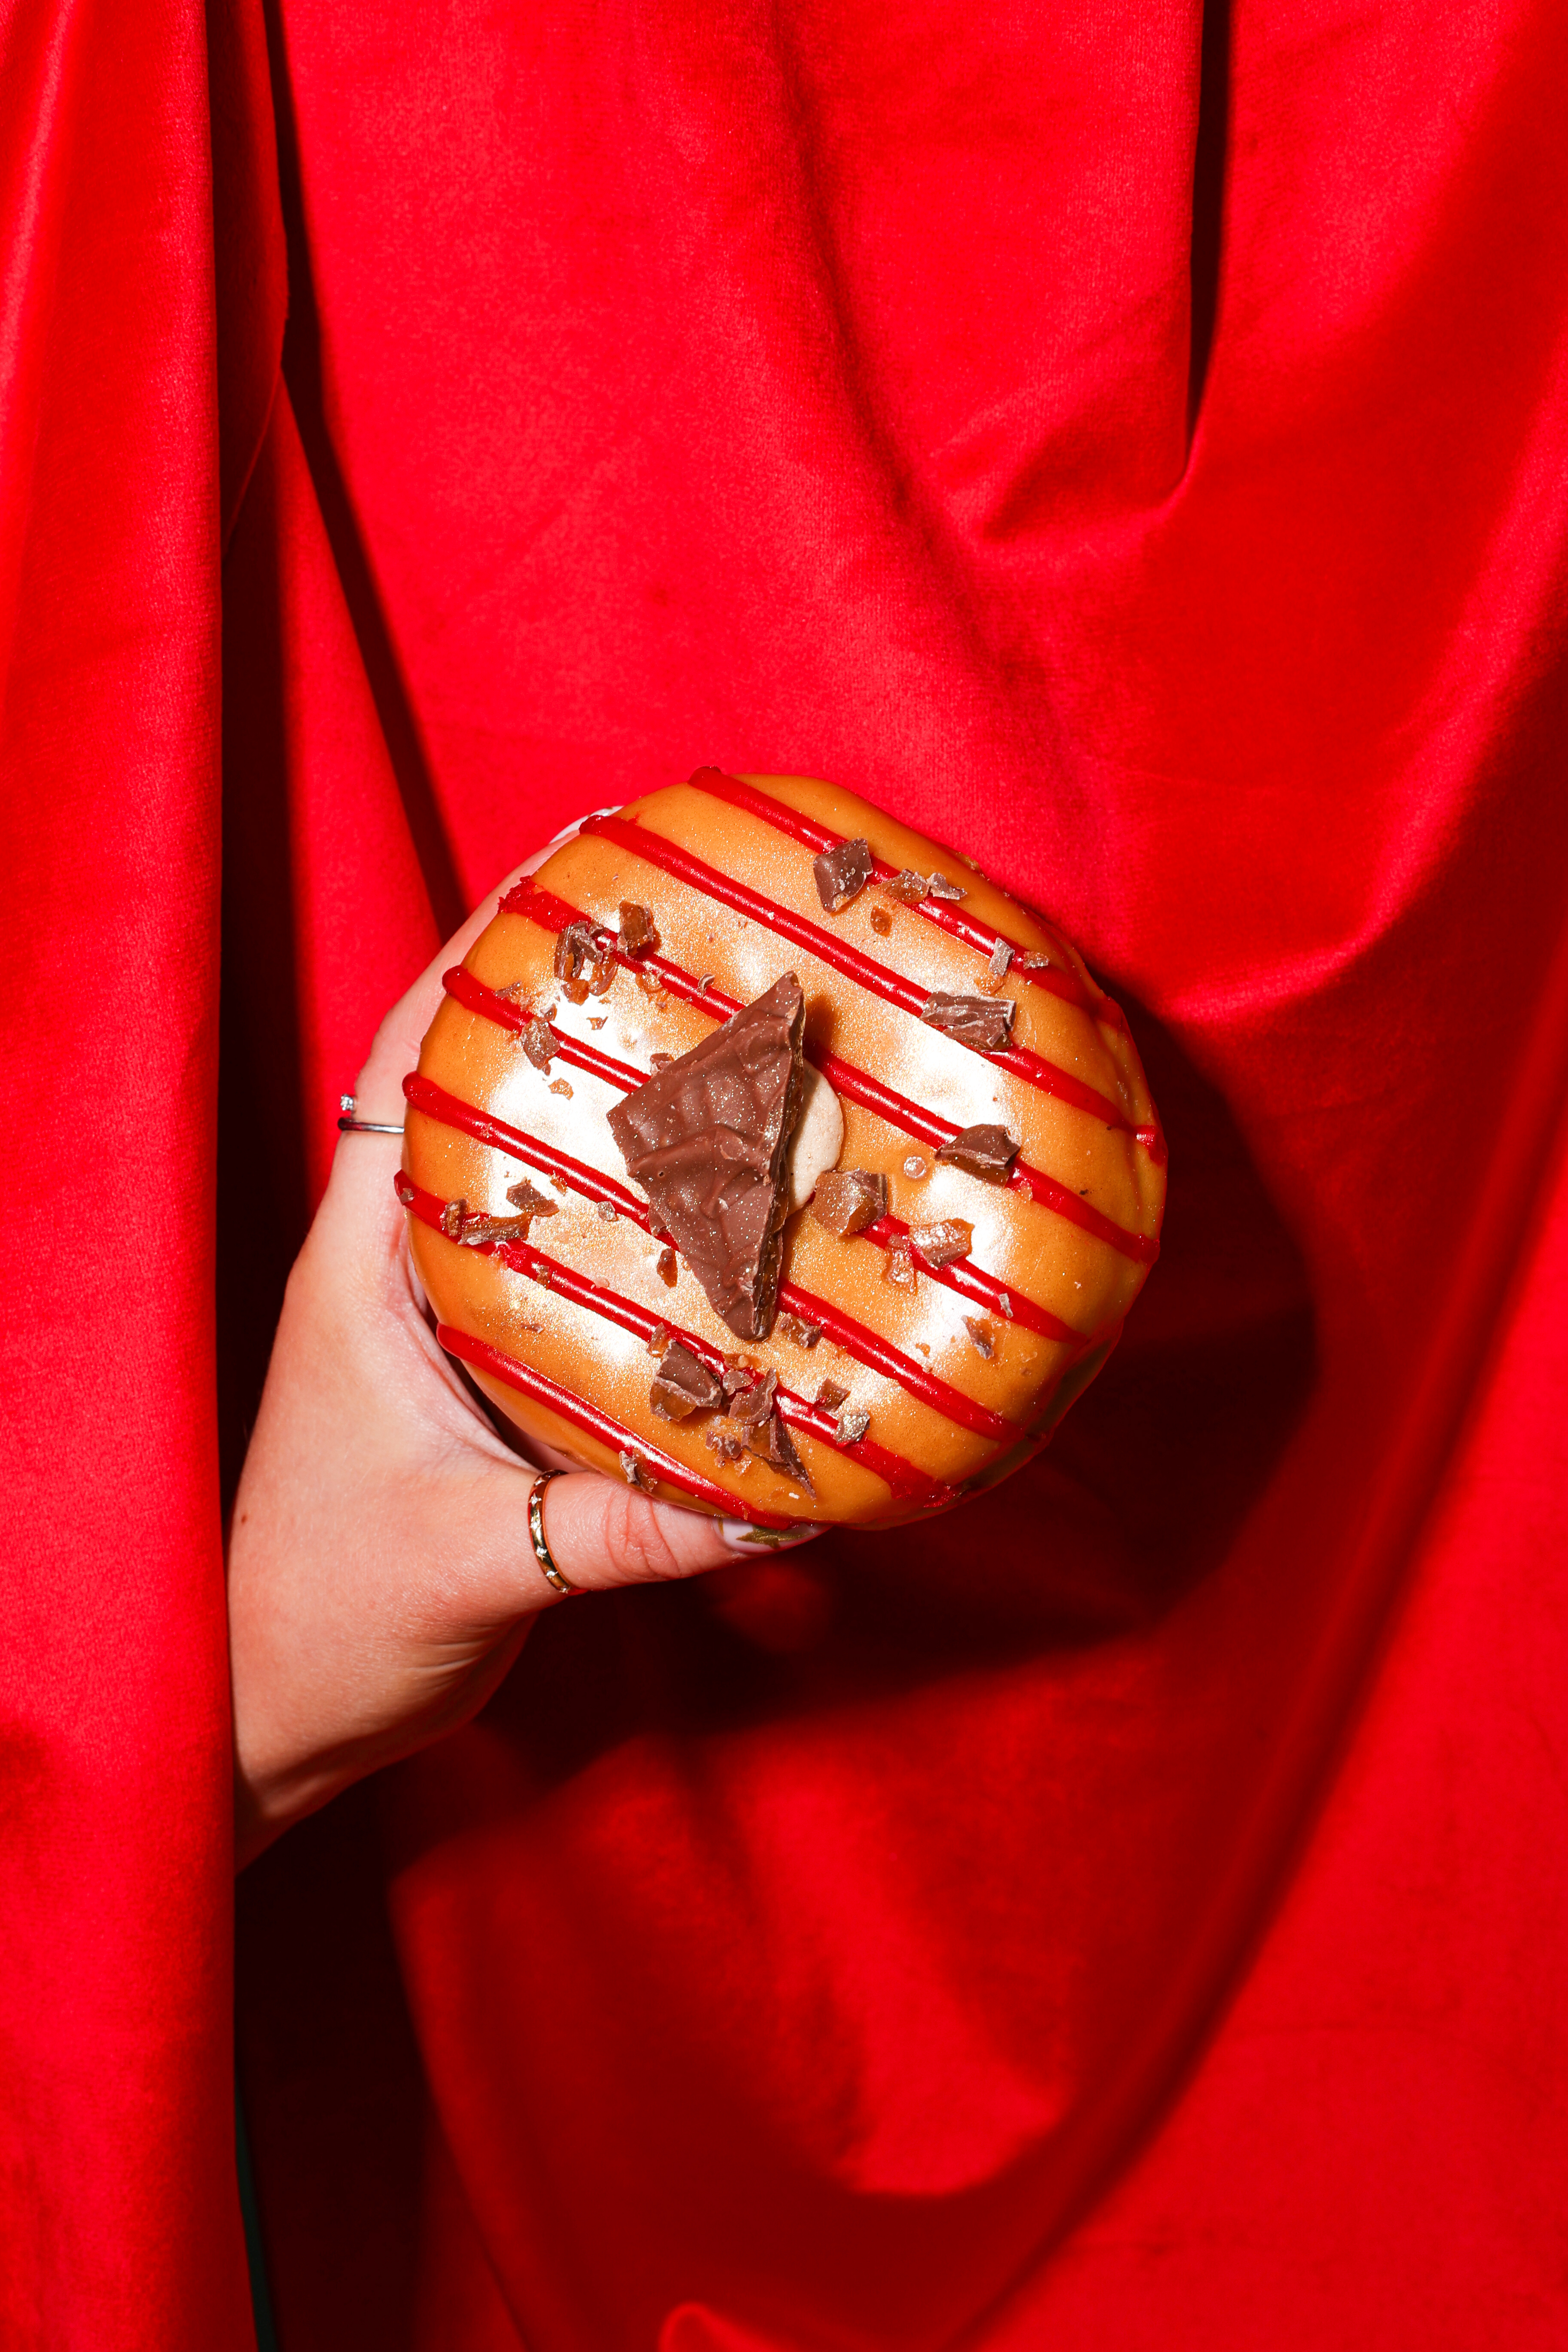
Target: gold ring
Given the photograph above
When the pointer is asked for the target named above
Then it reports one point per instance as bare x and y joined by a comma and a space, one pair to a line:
536, 1534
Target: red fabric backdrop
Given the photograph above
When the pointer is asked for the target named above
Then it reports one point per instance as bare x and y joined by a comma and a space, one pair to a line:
1130, 444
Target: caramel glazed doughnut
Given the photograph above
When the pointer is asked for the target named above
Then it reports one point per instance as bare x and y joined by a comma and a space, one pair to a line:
855, 1287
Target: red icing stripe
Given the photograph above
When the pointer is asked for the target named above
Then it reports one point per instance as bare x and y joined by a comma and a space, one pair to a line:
899, 1111
870, 1347
551, 913
943, 912
971, 1281
473, 993
854, 1337
904, 1481
437, 1104
584, 1415
877, 979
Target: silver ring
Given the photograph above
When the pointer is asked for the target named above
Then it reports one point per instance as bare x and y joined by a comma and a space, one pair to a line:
350, 1125
541, 1552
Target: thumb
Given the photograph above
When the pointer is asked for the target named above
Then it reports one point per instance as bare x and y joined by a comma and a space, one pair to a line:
599, 1533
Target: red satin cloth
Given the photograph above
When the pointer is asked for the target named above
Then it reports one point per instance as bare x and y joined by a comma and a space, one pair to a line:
1135, 450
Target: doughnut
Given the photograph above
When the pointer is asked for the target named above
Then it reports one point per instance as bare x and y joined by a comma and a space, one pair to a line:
765, 1155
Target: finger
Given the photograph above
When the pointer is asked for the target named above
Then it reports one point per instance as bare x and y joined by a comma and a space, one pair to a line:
602, 1534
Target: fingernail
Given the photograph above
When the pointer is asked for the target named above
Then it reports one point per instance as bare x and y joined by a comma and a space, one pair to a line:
741, 1536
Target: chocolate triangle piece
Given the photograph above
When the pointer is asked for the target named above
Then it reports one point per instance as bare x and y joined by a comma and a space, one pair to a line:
707, 1138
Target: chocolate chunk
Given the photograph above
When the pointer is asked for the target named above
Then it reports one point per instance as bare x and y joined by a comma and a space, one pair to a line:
804, 1334
635, 1472
452, 1217
997, 970
706, 1141
981, 1332
602, 982
988, 1151
908, 888
537, 1042
843, 873
985, 1022
941, 887
660, 1061
477, 1227
749, 1407
853, 1423
881, 921
668, 1270
725, 1445
637, 934
561, 1087
683, 1384
739, 1373
526, 1197
940, 1245
899, 1266
575, 947
650, 982
658, 1339
772, 1442
831, 1394
848, 1200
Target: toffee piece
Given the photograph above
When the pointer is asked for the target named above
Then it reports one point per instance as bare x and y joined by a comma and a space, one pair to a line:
772, 1442
939, 1244
848, 1200
537, 1042
637, 934
477, 1228
683, 1384
706, 1141
899, 1266
575, 947
997, 969
986, 1151
983, 1022
749, 1407
841, 873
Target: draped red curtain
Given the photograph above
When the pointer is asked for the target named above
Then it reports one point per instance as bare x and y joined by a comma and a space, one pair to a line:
1130, 444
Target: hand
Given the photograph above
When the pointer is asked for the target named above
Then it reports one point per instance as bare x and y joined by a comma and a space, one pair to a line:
381, 1580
